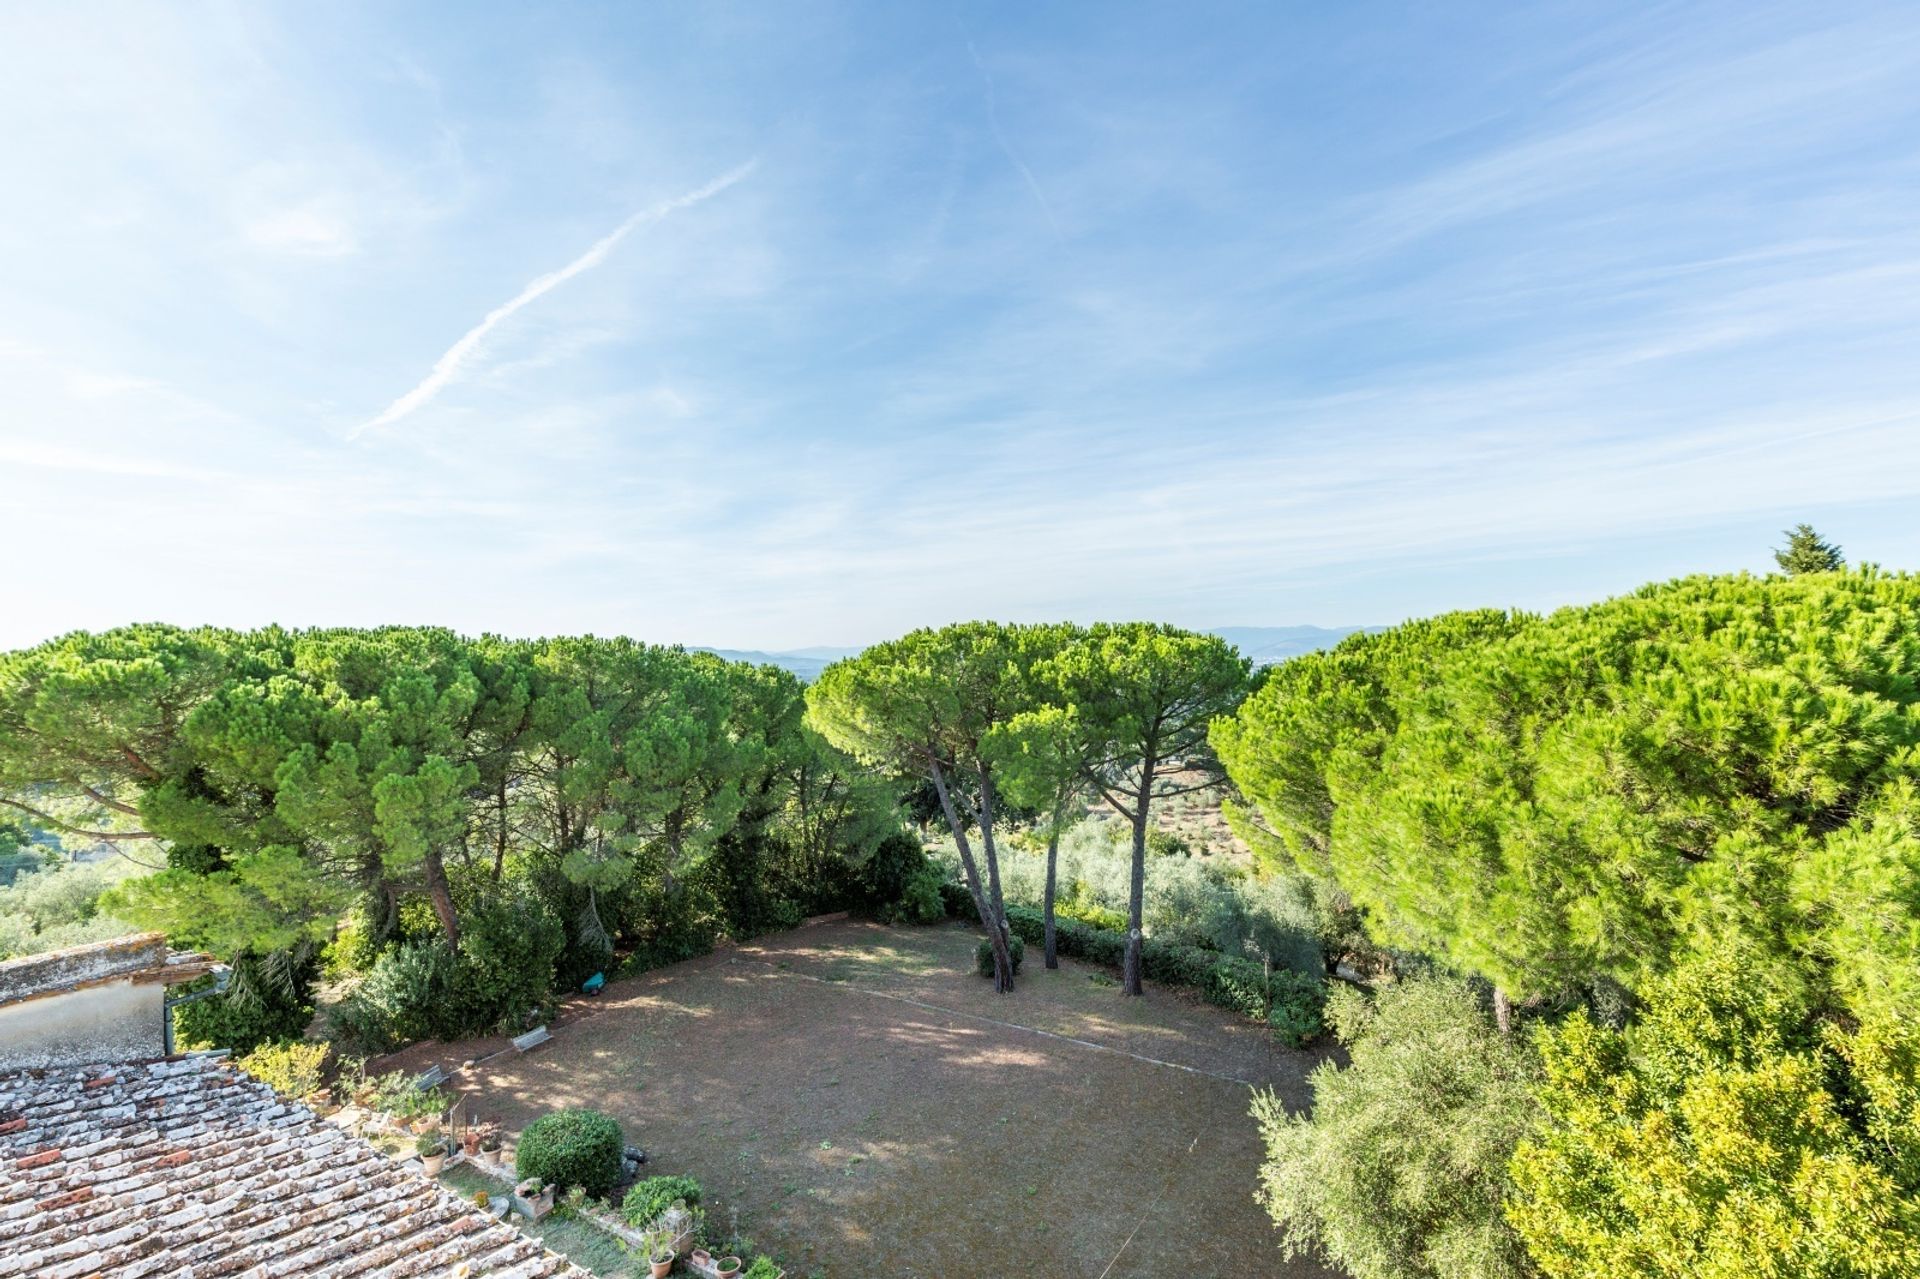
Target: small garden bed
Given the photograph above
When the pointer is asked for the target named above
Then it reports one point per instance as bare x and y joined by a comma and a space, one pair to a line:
579, 1239
658, 1228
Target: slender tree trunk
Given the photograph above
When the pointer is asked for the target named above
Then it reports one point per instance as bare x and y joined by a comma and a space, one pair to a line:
1002, 956
500, 837
1502, 1010
994, 894
1131, 973
441, 895
1046, 901
389, 912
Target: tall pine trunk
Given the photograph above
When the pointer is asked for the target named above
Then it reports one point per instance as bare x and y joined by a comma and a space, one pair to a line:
989, 913
441, 895
1130, 973
1046, 901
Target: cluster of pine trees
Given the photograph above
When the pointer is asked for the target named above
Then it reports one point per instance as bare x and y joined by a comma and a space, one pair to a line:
449, 797
1664, 855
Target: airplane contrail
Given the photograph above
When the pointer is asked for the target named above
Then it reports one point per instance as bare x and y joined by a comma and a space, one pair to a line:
448, 366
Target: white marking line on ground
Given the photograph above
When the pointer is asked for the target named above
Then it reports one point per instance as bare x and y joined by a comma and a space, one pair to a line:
995, 1021
1143, 1216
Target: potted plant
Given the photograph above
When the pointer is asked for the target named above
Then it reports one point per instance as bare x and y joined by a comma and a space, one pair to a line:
700, 1259
660, 1253
490, 1145
535, 1198
470, 1141
432, 1149
727, 1267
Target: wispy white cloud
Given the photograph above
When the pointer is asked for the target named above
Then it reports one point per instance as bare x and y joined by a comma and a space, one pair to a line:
309, 230
448, 367
1006, 148
58, 457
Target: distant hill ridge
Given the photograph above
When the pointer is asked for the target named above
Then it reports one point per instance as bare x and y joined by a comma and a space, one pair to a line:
1264, 644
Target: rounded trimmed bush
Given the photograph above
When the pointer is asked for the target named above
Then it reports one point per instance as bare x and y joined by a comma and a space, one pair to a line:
983, 954
572, 1148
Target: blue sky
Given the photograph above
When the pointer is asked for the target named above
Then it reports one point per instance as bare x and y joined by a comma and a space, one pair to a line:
787, 324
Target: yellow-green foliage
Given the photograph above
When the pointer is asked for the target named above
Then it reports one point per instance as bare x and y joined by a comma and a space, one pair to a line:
1726, 1135
1608, 789
292, 1070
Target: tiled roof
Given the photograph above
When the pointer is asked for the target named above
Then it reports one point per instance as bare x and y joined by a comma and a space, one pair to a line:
143, 957
185, 1169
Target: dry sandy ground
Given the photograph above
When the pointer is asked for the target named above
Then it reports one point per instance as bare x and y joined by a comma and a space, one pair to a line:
868, 1106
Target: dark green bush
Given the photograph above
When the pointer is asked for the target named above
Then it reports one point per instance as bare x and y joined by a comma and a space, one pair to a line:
920, 900
1298, 1014
422, 990
572, 1148
505, 969
653, 1196
404, 997
891, 865
983, 955
956, 901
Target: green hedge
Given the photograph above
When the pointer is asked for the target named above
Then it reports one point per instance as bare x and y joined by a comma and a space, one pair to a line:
1289, 1001
572, 1148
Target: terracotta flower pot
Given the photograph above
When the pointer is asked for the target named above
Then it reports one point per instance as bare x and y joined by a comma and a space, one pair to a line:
433, 1164
727, 1267
660, 1268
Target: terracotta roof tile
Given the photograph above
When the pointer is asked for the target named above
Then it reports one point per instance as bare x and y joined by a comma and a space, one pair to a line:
179, 1168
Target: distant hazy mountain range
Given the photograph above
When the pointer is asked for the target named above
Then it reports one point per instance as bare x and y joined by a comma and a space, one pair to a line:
1269, 644
1264, 644
807, 663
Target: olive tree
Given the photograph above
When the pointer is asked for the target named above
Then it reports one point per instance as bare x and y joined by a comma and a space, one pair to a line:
1400, 1172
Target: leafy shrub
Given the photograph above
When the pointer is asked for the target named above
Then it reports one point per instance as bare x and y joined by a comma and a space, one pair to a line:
394, 1093
1164, 843
654, 1195
1400, 1172
983, 954
920, 900
955, 900
505, 970
889, 868
292, 1070
1779, 1141
269, 1000
1297, 1015
763, 1267
402, 998
572, 1148
423, 990
1089, 912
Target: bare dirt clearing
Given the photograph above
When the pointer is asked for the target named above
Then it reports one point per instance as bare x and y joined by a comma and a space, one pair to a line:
870, 1107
